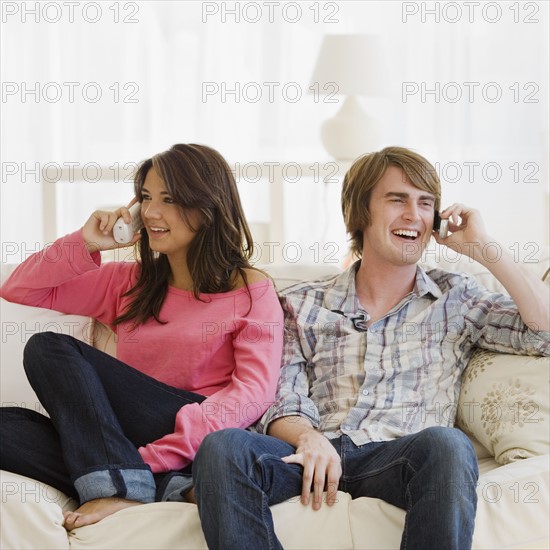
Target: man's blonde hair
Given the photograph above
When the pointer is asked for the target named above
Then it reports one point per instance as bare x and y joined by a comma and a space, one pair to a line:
366, 172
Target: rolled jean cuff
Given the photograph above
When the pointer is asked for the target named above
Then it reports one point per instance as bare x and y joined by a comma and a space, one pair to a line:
131, 484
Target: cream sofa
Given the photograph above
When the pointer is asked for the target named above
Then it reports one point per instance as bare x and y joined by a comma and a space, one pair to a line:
504, 408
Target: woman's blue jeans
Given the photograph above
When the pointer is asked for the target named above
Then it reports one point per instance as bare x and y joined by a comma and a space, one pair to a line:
101, 411
432, 475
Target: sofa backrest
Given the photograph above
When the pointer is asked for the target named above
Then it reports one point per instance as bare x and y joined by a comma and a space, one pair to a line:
534, 257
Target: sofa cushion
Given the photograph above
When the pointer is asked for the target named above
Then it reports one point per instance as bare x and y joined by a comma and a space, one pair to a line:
512, 507
177, 525
32, 514
504, 403
19, 323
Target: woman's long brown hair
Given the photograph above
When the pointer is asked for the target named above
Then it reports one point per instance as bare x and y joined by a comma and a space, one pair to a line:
196, 176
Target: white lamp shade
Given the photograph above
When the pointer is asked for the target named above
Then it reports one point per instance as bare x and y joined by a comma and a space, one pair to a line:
352, 62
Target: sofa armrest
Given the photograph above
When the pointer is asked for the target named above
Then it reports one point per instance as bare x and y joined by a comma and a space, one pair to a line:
19, 323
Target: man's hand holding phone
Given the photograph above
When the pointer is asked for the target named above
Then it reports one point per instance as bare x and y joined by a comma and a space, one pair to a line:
467, 231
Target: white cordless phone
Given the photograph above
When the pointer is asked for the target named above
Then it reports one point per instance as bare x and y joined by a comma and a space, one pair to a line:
124, 232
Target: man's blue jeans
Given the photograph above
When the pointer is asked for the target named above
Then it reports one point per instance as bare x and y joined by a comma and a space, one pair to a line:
432, 475
101, 411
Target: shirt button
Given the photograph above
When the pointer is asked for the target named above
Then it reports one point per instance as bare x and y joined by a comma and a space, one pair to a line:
365, 392
345, 428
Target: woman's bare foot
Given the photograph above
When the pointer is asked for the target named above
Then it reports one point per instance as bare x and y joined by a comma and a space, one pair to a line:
95, 510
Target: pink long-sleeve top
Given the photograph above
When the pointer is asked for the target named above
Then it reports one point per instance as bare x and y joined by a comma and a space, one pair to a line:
217, 347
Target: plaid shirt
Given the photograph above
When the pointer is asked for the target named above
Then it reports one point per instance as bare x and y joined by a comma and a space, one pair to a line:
402, 373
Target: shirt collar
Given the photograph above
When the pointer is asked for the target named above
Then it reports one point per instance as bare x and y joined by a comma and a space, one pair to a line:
342, 296
425, 284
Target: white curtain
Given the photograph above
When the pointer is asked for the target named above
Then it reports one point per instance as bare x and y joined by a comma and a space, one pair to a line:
185, 71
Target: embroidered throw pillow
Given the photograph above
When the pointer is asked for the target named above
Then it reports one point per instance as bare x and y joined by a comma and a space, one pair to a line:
504, 403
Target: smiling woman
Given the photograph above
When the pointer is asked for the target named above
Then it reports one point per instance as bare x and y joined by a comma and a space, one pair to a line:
190, 201
125, 431
193, 217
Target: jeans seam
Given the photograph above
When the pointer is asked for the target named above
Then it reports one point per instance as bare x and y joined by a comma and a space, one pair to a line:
265, 505
268, 530
119, 483
99, 423
371, 473
408, 500
342, 454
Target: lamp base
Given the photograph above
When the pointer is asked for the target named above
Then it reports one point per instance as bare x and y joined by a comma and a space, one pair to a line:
350, 133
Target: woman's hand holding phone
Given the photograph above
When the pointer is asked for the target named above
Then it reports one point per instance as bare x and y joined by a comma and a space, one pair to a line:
98, 229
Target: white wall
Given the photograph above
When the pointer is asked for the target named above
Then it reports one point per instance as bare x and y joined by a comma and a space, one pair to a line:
153, 66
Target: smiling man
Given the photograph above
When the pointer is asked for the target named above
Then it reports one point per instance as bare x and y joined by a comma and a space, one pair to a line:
369, 358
